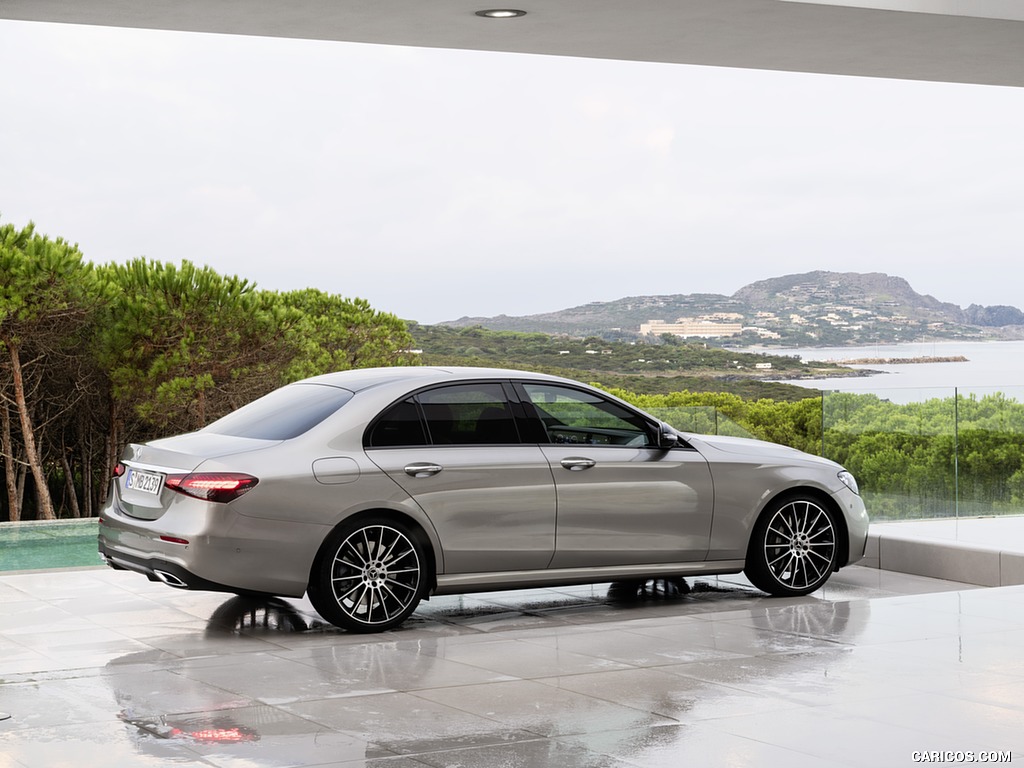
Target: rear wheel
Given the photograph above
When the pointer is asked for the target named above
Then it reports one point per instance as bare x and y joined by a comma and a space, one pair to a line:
370, 576
793, 548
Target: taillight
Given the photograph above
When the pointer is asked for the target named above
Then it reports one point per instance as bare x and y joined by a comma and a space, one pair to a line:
119, 469
221, 487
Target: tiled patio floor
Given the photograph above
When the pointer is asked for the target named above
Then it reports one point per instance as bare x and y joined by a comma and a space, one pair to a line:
99, 668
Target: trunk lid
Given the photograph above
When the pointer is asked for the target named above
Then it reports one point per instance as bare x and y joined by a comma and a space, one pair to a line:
140, 488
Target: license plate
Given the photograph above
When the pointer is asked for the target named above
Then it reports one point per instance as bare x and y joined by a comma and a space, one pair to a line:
146, 482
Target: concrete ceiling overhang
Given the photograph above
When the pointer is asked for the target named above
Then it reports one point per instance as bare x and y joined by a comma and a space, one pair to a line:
966, 41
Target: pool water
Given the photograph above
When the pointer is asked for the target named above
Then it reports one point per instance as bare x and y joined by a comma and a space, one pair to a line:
33, 545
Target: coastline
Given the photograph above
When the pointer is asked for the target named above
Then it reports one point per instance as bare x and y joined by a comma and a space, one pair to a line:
919, 370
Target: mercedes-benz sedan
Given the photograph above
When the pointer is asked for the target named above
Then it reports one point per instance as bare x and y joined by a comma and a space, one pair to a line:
371, 490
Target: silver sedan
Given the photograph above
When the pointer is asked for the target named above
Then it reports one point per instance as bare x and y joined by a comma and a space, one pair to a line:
373, 489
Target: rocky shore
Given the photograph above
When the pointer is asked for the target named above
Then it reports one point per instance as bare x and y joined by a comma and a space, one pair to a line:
900, 360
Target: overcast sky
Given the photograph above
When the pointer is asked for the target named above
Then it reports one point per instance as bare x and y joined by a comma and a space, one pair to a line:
438, 184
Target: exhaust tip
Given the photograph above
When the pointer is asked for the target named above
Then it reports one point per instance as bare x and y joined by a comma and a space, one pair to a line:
170, 579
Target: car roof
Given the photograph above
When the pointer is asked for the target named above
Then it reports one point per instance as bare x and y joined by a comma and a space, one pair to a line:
366, 378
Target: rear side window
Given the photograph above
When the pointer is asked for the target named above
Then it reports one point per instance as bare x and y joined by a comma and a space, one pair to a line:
468, 414
284, 413
461, 414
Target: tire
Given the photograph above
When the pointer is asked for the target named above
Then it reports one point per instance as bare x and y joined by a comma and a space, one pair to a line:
369, 576
793, 548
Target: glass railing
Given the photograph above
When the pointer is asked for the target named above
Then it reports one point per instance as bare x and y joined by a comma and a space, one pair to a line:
929, 453
917, 453
699, 419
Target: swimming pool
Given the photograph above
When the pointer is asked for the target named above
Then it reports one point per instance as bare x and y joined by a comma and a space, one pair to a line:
33, 545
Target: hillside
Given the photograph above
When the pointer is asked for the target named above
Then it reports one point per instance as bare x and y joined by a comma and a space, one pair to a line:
811, 309
651, 366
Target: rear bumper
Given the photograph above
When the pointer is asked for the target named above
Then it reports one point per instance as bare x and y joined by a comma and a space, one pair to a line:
201, 546
166, 572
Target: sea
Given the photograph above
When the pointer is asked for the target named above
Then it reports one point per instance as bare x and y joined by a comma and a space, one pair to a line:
990, 367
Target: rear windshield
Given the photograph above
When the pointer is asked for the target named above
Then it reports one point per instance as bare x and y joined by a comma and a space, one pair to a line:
284, 413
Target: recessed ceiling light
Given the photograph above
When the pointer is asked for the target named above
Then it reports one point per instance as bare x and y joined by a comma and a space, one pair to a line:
501, 13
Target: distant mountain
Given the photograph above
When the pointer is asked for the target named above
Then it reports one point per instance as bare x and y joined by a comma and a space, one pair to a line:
608, 317
866, 290
814, 308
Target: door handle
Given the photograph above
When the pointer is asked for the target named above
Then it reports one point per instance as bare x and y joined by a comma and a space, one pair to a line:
423, 469
577, 463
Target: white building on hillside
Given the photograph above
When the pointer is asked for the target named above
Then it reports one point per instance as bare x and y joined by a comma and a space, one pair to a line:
687, 327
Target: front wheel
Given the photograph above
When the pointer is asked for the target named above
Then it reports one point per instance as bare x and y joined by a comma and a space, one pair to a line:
793, 548
370, 576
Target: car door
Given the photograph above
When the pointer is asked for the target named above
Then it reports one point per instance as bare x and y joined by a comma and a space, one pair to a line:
621, 499
456, 450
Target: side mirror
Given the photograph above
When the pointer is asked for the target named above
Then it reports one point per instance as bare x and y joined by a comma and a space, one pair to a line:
667, 439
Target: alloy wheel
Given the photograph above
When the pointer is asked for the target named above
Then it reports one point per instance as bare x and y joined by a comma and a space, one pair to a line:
794, 547
371, 578
800, 545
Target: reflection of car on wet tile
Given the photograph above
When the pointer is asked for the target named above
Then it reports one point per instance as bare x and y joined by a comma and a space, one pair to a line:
371, 490
334, 702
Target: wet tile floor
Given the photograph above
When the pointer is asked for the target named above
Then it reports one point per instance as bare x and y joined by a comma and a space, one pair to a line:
99, 668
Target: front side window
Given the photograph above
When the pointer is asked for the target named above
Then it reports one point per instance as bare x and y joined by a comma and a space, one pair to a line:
575, 416
468, 414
